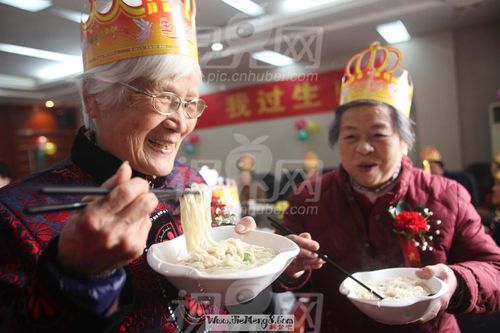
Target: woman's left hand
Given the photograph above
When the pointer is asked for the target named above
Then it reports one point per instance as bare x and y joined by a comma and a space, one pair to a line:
245, 225
444, 273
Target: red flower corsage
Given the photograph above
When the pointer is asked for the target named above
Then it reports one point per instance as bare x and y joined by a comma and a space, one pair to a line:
414, 228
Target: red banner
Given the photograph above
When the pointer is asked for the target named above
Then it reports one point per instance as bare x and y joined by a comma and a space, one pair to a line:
286, 98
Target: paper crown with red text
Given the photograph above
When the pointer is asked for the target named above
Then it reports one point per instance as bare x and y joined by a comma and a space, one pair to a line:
127, 31
370, 76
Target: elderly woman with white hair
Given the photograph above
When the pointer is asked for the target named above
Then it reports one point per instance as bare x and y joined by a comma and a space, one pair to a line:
367, 216
86, 270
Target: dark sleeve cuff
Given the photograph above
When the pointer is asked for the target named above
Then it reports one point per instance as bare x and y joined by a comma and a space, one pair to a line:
294, 284
459, 301
94, 294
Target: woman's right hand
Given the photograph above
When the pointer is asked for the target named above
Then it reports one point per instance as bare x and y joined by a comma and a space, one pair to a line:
306, 259
112, 230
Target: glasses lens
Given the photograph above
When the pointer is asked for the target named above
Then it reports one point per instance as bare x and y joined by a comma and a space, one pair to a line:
201, 107
167, 103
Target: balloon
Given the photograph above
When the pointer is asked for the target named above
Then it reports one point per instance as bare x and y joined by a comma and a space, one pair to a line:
194, 139
50, 148
312, 127
303, 135
190, 149
300, 124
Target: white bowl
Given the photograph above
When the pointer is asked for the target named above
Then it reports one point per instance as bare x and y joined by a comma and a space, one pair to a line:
235, 287
394, 311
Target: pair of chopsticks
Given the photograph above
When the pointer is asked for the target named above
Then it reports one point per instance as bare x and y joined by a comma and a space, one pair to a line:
287, 231
160, 193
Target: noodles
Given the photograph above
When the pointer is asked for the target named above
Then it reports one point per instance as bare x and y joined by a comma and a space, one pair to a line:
394, 288
207, 255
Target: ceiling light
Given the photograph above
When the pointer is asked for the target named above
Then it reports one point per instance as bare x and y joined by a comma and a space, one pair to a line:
49, 104
246, 6
393, 32
273, 58
71, 15
29, 5
37, 53
296, 5
17, 82
61, 70
217, 47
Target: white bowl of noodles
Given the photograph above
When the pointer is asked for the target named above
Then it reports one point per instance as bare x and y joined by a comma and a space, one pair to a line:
232, 286
407, 298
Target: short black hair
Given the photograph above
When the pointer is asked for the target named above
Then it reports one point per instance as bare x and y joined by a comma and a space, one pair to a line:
440, 163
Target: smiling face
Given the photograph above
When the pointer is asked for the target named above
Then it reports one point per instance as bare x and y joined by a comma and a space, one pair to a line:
133, 131
369, 144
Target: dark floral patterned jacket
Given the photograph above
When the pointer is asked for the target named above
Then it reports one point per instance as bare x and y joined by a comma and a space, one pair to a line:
31, 299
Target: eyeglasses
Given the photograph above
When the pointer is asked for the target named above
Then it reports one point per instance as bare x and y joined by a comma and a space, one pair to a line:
169, 101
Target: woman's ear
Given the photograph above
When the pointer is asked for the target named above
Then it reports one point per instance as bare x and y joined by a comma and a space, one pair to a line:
89, 100
404, 148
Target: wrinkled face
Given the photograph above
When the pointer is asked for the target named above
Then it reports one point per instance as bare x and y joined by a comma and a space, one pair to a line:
369, 145
135, 132
495, 198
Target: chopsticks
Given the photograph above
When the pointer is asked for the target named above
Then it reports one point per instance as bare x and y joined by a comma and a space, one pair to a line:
160, 193
287, 231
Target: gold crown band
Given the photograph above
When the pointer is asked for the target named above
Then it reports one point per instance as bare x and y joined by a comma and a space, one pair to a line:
152, 28
376, 81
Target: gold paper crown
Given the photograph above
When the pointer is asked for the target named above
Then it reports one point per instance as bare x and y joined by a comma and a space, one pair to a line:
431, 154
367, 78
246, 163
152, 28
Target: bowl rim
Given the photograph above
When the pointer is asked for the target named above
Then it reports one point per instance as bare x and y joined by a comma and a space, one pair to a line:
266, 269
396, 303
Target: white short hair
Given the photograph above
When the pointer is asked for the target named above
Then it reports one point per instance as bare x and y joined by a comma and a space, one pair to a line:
101, 81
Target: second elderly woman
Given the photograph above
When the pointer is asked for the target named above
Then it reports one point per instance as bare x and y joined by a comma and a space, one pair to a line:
351, 222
